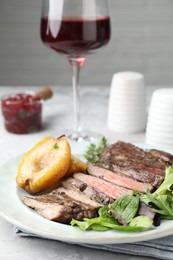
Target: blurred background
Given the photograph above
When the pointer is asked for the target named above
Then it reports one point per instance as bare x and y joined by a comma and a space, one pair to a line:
142, 41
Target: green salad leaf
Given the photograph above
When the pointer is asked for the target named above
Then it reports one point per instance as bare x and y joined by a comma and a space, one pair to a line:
166, 186
124, 208
162, 198
143, 221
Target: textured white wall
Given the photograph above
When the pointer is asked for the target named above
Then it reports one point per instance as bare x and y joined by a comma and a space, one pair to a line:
142, 40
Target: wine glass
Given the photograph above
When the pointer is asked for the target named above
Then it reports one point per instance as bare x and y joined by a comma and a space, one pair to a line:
75, 28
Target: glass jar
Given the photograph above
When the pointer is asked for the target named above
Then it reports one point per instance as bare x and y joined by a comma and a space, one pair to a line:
22, 113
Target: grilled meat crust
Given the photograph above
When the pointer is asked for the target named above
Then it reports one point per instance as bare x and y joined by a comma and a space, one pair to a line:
167, 158
126, 153
127, 159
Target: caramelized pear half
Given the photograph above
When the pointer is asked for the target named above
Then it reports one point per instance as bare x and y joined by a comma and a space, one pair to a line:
44, 164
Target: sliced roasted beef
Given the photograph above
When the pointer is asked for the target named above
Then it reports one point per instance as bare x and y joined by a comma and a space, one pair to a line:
88, 191
140, 173
108, 188
78, 197
58, 206
126, 154
138, 164
121, 150
162, 156
127, 159
118, 179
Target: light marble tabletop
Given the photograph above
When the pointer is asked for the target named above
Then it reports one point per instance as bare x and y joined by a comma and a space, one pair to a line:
57, 116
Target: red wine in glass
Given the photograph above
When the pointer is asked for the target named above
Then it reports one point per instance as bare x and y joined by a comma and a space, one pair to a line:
75, 36
75, 28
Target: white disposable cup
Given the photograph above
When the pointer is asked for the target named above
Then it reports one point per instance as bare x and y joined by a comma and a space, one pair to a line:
159, 130
127, 103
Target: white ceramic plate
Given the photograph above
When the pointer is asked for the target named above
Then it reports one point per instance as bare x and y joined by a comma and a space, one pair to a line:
13, 210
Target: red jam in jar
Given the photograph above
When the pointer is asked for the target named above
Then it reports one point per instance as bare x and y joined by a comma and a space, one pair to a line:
22, 113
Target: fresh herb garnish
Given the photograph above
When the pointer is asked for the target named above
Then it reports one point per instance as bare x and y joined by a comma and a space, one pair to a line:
55, 146
94, 150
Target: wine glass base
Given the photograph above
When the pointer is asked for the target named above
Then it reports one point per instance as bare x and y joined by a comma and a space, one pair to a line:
83, 136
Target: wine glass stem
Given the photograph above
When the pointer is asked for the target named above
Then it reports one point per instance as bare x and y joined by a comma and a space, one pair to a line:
75, 64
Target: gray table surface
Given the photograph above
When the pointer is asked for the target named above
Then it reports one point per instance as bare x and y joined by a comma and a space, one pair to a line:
57, 115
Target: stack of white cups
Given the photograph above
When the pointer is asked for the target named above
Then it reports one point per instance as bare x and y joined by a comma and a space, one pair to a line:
127, 103
159, 130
